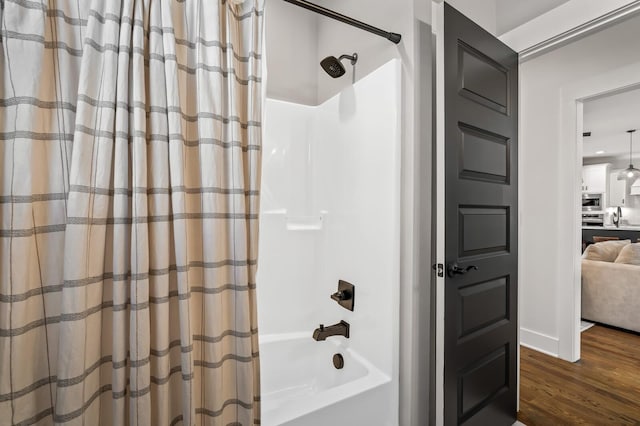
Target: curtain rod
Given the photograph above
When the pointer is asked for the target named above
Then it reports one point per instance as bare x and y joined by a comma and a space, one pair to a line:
392, 37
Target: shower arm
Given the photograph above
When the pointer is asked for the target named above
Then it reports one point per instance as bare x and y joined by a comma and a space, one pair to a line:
392, 37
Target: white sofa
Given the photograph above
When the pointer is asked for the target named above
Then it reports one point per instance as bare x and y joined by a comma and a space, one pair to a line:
611, 288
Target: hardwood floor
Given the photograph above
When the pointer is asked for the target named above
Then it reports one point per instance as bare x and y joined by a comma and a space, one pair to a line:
603, 388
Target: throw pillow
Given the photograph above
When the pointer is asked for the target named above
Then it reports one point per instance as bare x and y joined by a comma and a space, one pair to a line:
630, 254
606, 251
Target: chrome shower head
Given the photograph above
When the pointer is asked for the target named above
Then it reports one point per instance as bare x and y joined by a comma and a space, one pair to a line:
332, 65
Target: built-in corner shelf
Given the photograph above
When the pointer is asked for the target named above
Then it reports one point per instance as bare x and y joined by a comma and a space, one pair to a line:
304, 223
298, 223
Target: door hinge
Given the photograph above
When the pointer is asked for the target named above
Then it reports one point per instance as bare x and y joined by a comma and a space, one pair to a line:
440, 269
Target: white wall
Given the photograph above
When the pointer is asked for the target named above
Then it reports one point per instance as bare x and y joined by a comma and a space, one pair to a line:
350, 165
292, 52
335, 39
546, 176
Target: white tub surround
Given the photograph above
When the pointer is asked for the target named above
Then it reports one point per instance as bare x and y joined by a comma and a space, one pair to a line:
330, 211
299, 381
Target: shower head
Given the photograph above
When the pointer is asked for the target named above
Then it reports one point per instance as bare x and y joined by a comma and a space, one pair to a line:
332, 65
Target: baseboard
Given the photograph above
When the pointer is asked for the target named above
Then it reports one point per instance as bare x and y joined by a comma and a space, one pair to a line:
540, 342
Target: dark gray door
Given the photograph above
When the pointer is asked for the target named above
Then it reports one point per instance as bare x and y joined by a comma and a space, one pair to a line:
481, 207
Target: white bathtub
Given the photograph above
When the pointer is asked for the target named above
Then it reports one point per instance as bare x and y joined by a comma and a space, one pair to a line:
301, 387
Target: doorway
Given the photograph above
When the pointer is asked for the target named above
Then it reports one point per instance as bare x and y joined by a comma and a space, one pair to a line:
553, 90
610, 125
596, 91
551, 214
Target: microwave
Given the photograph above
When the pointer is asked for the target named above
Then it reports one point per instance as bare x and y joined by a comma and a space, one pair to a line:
592, 202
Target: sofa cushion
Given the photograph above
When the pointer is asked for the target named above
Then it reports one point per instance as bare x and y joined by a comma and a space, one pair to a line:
629, 254
606, 251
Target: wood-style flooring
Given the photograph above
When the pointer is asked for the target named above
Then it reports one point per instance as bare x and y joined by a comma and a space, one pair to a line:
603, 388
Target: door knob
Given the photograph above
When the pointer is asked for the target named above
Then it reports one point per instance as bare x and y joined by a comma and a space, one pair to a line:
453, 269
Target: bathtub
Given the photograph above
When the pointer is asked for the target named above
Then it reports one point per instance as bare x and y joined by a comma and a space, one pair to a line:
301, 387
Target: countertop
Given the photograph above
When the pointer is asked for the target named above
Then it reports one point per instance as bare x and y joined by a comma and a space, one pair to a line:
613, 228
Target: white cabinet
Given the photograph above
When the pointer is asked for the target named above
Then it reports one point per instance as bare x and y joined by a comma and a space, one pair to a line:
595, 178
617, 191
635, 188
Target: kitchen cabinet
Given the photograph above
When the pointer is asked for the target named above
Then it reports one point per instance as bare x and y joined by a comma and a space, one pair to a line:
595, 178
588, 234
635, 188
617, 191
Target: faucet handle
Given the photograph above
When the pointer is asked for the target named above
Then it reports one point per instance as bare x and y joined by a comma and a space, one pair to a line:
341, 295
321, 327
345, 295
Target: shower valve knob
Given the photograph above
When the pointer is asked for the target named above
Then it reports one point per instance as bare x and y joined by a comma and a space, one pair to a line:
341, 295
345, 295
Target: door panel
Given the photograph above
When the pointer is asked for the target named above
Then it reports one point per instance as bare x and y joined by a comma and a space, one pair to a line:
483, 380
484, 156
483, 305
481, 76
483, 230
482, 79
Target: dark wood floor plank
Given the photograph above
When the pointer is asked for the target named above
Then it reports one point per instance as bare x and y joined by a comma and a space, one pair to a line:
603, 388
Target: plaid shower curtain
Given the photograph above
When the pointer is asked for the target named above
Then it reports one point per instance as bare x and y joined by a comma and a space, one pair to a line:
130, 149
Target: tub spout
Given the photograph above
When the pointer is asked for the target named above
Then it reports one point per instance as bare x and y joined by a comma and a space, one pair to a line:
339, 329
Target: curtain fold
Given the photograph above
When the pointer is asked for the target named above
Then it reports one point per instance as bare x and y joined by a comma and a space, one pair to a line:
40, 58
129, 212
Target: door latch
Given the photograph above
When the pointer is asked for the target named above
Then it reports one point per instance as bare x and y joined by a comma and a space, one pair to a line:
439, 267
454, 270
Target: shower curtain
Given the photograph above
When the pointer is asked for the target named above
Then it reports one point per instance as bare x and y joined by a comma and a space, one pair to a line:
130, 143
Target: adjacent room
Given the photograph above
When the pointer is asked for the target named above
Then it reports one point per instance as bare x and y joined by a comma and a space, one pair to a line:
580, 274
611, 211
